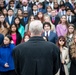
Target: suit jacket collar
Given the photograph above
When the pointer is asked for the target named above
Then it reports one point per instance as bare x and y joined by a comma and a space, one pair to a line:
36, 38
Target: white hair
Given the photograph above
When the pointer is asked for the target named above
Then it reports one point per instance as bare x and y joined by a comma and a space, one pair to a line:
36, 27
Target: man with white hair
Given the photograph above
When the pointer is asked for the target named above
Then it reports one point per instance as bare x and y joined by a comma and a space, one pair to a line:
36, 56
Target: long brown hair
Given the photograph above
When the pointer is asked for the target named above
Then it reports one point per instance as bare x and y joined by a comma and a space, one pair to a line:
66, 23
68, 29
42, 18
73, 48
62, 38
4, 23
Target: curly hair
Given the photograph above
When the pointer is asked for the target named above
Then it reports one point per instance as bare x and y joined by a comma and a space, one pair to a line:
73, 48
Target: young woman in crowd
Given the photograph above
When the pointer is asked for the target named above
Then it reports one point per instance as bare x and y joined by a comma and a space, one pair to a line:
40, 16
4, 27
20, 15
69, 36
6, 59
64, 56
73, 56
62, 27
16, 36
47, 19
26, 37
48, 10
31, 18
56, 7
5, 12
20, 27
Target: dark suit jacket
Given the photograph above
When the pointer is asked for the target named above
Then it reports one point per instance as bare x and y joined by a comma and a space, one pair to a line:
45, 4
36, 57
57, 19
7, 20
29, 10
73, 19
19, 38
52, 37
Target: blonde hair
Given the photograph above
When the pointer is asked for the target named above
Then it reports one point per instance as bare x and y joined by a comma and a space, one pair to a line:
52, 25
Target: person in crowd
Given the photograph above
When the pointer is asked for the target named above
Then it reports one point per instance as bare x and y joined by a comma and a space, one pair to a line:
10, 18
64, 56
31, 18
40, 57
72, 3
54, 17
16, 36
31, 3
62, 10
40, 16
61, 3
68, 4
26, 37
37, 2
56, 7
51, 3
70, 35
47, 19
20, 14
48, 10
11, 5
6, 60
45, 4
4, 27
48, 33
61, 28
2, 5
26, 7
25, 18
70, 18
20, 27
73, 56
1, 39
4, 11
35, 10
40, 8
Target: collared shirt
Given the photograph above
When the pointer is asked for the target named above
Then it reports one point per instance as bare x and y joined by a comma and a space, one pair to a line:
35, 12
69, 18
25, 8
46, 33
10, 19
63, 12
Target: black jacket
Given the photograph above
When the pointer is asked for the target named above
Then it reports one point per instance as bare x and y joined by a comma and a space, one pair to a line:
36, 57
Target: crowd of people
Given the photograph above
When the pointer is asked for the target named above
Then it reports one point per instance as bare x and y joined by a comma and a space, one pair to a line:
59, 27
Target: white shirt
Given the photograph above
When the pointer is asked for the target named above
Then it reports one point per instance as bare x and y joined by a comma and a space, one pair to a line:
69, 18
10, 19
63, 12
35, 12
46, 33
25, 8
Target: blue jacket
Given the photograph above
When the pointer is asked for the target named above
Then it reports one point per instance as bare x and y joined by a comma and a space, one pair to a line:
6, 56
52, 37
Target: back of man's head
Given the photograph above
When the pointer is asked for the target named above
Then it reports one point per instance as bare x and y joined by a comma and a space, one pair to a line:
36, 27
